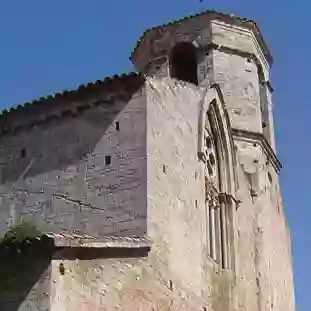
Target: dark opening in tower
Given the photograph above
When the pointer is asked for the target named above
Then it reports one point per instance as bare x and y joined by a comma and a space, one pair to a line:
184, 62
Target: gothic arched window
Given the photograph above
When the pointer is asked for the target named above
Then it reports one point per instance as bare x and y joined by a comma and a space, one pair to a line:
216, 151
212, 191
216, 176
184, 62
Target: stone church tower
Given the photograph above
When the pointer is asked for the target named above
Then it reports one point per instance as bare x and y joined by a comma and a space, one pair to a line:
155, 190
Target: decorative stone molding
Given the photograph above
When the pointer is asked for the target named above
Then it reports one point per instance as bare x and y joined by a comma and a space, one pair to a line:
259, 138
211, 194
214, 96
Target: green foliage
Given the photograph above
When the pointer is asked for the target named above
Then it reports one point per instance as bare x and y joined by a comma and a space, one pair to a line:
21, 232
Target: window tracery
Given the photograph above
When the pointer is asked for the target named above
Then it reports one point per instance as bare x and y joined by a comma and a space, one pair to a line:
215, 205
216, 152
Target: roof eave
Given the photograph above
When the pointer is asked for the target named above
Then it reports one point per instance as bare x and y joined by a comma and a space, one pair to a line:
214, 15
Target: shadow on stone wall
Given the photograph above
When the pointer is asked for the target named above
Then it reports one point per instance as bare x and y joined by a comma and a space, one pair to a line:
25, 269
55, 174
24, 274
58, 142
87, 253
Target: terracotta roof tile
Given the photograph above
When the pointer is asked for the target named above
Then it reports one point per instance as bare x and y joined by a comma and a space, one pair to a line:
67, 93
31, 113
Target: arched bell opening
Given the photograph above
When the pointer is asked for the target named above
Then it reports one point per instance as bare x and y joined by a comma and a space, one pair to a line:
183, 61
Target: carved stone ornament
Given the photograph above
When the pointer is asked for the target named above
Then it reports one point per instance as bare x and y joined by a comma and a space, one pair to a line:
211, 193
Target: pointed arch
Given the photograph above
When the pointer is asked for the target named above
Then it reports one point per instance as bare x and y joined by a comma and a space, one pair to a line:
216, 151
213, 107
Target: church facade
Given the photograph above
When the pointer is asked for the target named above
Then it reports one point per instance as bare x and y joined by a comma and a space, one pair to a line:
154, 190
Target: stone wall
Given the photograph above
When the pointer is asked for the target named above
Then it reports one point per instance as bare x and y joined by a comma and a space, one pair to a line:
84, 172
238, 80
264, 270
178, 274
124, 167
262, 279
127, 284
114, 284
175, 181
239, 39
176, 198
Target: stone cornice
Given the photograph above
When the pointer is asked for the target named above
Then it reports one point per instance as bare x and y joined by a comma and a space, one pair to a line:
69, 245
86, 241
258, 49
230, 50
252, 137
69, 103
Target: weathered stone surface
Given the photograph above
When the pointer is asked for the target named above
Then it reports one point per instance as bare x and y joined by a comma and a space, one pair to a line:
176, 222
66, 184
240, 39
57, 176
238, 80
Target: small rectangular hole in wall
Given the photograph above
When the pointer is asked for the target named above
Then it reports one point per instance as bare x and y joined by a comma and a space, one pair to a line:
107, 160
164, 168
117, 126
23, 153
248, 65
170, 285
196, 203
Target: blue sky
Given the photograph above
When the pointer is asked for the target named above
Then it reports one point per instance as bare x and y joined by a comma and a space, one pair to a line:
47, 46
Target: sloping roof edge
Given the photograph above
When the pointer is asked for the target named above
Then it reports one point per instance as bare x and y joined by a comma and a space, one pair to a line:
229, 18
252, 136
66, 93
109, 84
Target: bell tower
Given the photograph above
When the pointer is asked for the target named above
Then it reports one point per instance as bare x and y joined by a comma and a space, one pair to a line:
210, 48
224, 65
177, 50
